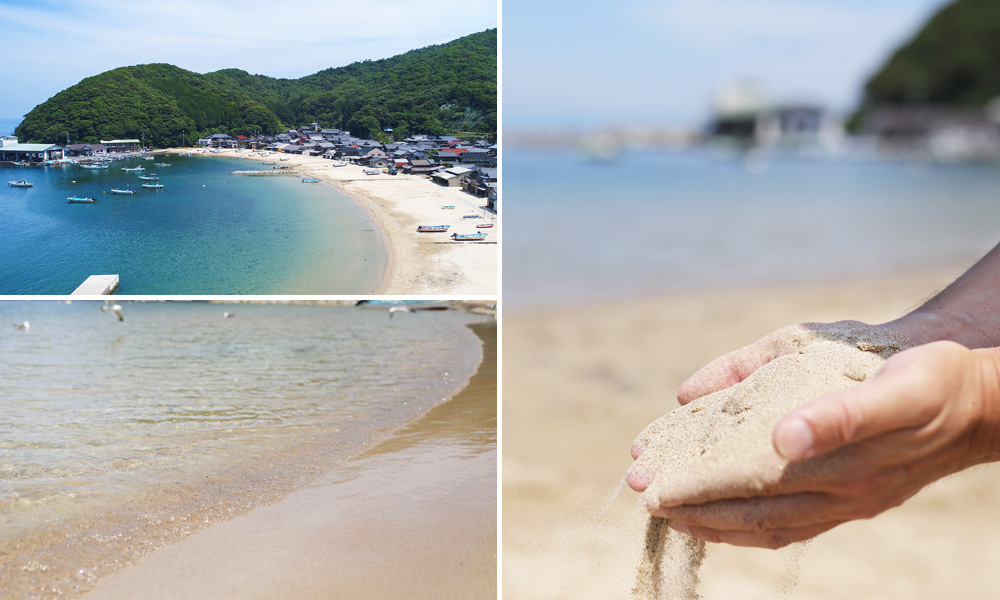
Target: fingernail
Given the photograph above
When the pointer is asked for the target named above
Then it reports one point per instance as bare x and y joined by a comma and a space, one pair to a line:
681, 528
793, 439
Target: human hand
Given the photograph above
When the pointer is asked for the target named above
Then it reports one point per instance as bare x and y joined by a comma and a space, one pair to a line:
931, 411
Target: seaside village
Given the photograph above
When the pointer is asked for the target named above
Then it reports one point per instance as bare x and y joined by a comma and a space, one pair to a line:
446, 160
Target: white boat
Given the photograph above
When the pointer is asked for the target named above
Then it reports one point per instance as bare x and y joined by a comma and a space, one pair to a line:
153, 186
372, 171
127, 192
133, 169
150, 177
283, 158
74, 200
22, 183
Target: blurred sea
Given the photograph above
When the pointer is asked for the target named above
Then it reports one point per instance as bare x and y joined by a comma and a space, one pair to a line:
648, 222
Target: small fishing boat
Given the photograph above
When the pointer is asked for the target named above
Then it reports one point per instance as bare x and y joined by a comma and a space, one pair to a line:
153, 186
150, 177
133, 169
94, 167
283, 158
310, 181
73, 200
338, 164
463, 237
22, 183
448, 207
127, 192
269, 162
470, 216
484, 225
372, 171
162, 164
432, 228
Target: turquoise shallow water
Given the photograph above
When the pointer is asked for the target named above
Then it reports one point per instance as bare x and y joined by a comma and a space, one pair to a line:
206, 232
119, 437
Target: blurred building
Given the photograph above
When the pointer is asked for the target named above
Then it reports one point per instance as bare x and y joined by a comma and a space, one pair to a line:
744, 114
942, 133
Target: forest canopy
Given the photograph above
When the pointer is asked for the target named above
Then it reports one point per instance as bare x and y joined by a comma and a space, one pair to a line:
443, 89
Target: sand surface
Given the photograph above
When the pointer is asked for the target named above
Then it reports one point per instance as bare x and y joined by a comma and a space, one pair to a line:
583, 381
414, 517
419, 263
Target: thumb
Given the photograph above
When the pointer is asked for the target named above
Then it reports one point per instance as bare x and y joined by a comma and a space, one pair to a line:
846, 417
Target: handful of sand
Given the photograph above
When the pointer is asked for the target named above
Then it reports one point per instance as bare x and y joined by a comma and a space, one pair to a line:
726, 436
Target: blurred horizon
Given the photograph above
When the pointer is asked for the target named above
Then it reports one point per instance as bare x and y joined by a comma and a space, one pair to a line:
581, 67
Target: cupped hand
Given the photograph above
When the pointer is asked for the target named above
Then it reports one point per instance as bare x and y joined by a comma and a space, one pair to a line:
931, 411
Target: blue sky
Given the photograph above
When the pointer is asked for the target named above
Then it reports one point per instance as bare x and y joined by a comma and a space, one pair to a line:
56, 43
658, 62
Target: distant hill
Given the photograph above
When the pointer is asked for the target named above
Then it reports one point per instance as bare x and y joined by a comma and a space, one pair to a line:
442, 89
953, 61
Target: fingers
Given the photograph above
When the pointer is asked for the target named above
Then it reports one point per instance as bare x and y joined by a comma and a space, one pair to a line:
773, 539
807, 509
736, 366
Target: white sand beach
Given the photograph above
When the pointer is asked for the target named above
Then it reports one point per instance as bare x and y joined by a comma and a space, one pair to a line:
418, 263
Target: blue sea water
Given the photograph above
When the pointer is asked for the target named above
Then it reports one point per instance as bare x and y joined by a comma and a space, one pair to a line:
664, 221
206, 232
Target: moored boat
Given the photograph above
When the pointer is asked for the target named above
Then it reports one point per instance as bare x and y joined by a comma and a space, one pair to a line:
470, 216
133, 169
150, 177
74, 200
153, 186
463, 237
310, 181
432, 228
118, 191
21, 183
484, 225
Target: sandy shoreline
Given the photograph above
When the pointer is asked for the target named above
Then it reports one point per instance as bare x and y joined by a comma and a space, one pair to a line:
417, 263
394, 521
581, 382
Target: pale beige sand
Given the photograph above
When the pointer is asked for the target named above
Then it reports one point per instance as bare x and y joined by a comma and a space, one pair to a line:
419, 263
414, 517
582, 382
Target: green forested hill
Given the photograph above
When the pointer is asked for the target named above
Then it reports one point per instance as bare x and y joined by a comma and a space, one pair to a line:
954, 60
438, 89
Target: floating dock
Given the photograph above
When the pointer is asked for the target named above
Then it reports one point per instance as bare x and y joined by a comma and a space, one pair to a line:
97, 285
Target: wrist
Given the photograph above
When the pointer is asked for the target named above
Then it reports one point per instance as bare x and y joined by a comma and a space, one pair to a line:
926, 326
987, 433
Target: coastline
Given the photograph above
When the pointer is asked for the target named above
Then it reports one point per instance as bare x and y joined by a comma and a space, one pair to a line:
582, 381
393, 521
416, 263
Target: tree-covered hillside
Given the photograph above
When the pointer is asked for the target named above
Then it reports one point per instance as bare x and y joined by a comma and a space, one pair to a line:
440, 89
954, 60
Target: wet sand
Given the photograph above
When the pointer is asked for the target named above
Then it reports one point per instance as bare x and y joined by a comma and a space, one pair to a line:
414, 517
583, 381
417, 263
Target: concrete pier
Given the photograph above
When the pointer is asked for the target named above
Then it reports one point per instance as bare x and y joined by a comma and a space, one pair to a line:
97, 285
